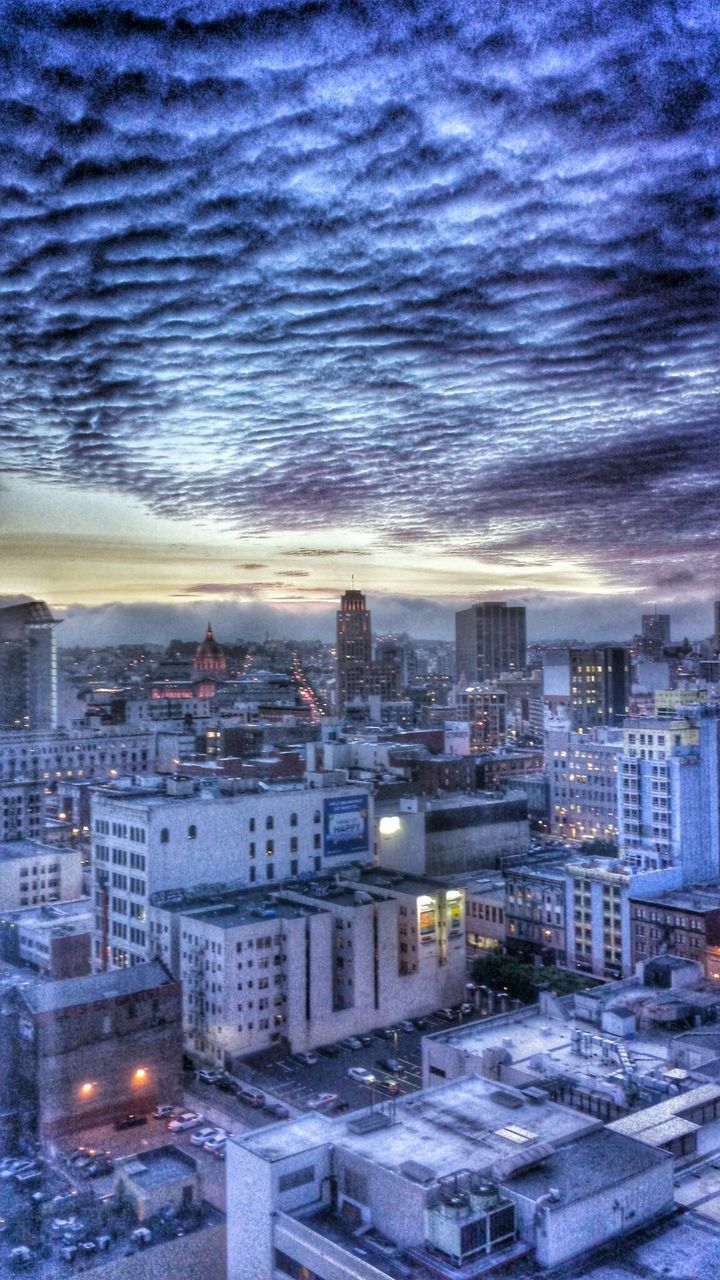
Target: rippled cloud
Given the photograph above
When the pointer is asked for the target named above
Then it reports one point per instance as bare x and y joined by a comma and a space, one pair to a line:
446, 273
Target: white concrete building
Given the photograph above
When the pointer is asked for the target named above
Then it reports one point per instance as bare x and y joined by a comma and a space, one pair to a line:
75, 754
180, 834
311, 962
582, 768
32, 873
435, 1182
669, 787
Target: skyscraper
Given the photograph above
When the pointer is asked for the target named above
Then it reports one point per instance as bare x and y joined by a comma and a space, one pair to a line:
489, 641
28, 666
354, 649
655, 634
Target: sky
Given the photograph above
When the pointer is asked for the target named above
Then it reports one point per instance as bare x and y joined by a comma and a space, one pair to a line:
424, 294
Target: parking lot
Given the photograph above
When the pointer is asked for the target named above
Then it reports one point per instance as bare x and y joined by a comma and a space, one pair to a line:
297, 1084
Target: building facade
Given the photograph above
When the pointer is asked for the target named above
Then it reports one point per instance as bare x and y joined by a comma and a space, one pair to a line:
145, 840
683, 923
88, 1050
311, 962
490, 641
28, 667
583, 773
353, 650
33, 873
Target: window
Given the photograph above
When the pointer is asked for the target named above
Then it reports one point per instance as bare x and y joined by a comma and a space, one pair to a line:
164, 836
298, 1178
251, 824
192, 832
269, 822
293, 819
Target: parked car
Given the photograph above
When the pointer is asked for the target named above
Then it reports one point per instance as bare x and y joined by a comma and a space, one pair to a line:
305, 1059
321, 1101
420, 1023
389, 1083
389, 1064
186, 1120
407, 1025
164, 1111
99, 1167
217, 1144
446, 1015
251, 1097
201, 1136
361, 1075
350, 1042
278, 1109
207, 1076
366, 1040
226, 1084
467, 1008
388, 1033
329, 1050
130, 1121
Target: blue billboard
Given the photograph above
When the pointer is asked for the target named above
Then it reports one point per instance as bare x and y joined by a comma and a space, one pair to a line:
346, 826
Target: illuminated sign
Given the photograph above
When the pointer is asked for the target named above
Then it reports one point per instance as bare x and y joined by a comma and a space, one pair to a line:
346, 826
427, 919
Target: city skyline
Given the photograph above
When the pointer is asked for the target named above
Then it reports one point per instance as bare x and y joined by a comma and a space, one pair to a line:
428, 296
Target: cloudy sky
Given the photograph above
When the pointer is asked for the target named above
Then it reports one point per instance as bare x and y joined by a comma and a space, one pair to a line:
425, 293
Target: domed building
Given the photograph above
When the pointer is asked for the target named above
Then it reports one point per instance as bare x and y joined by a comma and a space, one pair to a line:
209, 666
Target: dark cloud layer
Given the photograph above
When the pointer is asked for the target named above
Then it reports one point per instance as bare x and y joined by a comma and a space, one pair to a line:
448, 271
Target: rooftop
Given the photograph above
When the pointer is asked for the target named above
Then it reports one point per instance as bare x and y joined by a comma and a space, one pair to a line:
467, 1124
157, 1167
705, 897
10, 850
583, 1168
67, 993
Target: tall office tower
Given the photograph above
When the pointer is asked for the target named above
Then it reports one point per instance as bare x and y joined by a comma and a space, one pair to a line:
489, 641
669, 793
655, 634
28, 667
599, 686
354, 649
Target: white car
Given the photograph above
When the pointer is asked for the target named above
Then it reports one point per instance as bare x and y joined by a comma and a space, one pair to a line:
164, 1112
361, 1074
186, 1120
202, 1136
216, 1144
321, 1100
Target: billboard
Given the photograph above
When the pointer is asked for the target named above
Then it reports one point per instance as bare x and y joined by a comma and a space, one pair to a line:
427, 919
455, 915
346, 826
457, 738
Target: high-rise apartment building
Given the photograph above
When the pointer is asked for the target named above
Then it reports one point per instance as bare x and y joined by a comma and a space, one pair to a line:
354, 650
490, 640
669, 779
28, 666
599, 686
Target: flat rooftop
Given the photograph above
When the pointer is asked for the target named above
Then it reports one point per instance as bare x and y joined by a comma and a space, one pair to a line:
49, 997
704, 897
158, 1166
10, 850
528, 1033
583, 1168
471, 1123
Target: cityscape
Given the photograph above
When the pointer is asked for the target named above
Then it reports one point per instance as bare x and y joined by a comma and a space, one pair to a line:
359, 641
